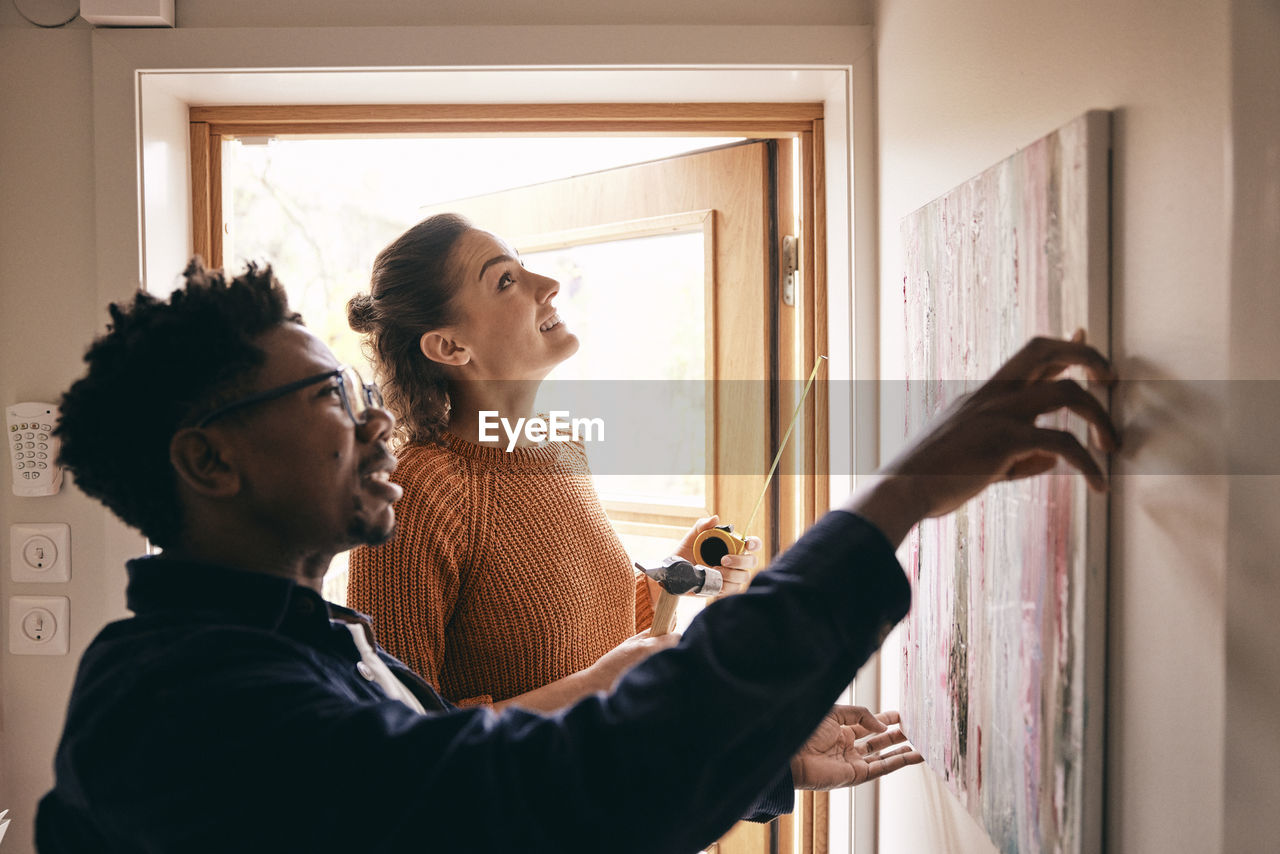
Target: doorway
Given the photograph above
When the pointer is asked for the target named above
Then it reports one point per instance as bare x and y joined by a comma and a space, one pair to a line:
733, 200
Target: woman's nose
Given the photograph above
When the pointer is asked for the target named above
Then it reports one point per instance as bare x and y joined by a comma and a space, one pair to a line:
547, 288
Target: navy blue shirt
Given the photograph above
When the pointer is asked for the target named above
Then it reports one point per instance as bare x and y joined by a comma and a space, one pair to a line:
229, 714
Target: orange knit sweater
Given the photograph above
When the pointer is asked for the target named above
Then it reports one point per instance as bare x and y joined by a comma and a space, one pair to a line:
504, 574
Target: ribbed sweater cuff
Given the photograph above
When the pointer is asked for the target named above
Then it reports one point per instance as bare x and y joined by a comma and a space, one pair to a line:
778, 799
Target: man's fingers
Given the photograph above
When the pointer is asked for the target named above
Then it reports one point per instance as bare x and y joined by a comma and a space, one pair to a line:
857, 716
1045, 358
1031, 466
876, 743
888, 719
888, 754
1067, 394
1040, 440
879, 767
889, 716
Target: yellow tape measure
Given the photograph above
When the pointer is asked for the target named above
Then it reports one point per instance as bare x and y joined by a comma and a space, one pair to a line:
715, 543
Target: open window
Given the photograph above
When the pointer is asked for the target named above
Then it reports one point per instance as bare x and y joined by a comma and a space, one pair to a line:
753, 301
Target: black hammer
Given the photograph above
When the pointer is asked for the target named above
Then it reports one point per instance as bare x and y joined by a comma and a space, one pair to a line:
677, 577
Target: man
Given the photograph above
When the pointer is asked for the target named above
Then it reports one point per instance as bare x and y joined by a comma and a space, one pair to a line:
237, 711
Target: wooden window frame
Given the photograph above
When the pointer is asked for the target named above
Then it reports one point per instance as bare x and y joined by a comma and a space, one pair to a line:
801, 329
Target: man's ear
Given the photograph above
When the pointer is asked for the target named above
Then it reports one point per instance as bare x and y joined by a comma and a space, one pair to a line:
204, 463
438, 346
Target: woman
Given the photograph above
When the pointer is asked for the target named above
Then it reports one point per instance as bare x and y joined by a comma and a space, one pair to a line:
506, 583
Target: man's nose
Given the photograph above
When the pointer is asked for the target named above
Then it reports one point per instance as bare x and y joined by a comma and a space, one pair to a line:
377, 426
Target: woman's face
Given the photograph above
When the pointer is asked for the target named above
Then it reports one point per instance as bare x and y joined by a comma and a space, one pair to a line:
505, 319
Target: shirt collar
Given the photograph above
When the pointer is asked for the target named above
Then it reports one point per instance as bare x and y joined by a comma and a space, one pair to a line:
169, 589
159, 584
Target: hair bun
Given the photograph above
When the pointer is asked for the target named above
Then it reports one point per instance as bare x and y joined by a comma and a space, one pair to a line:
361, 310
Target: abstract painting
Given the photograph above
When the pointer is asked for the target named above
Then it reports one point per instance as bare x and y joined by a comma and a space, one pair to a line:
1003, 670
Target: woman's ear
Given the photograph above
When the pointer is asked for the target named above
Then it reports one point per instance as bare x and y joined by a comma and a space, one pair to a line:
204, 465
438, 346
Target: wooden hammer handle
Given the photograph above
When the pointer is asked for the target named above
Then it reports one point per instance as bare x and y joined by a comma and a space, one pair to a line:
664, 614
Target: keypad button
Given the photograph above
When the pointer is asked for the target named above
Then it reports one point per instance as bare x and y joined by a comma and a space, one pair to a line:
21, 466
29, 435
41, 455
45, 427
42, 465
43, 437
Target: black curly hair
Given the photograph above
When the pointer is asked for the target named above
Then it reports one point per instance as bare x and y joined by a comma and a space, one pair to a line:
160, 367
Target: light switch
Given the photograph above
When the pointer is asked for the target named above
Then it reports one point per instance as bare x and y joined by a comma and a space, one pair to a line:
39, 625
40, 553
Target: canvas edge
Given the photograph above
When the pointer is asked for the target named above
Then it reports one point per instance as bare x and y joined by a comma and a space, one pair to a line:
1098, 230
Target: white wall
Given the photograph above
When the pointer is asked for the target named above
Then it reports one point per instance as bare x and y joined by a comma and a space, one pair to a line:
70, 233
49, 311
961, 86
1251, 754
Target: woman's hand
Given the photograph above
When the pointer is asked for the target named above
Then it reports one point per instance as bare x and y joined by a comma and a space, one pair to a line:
736, 569
600, 676
626, 655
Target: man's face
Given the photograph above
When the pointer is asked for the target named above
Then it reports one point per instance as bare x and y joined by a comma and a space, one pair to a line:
313, 481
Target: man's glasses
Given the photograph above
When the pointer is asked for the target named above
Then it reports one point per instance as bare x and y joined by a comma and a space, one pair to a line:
358, 397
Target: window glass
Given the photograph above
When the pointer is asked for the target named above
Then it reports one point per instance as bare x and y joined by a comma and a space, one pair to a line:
637, 306
320, 210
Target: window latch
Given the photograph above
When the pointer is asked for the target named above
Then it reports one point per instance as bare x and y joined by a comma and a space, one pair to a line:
789, 269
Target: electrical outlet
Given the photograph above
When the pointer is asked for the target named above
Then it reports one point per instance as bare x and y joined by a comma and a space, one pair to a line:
40, 553
39, 625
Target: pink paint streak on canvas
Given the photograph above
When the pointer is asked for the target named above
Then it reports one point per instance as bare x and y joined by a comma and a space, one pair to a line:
992, 651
